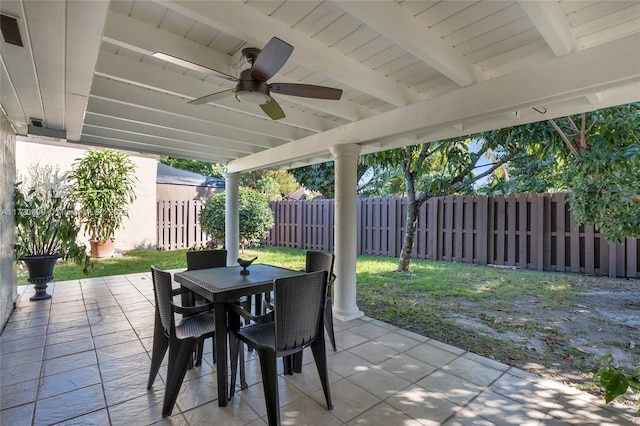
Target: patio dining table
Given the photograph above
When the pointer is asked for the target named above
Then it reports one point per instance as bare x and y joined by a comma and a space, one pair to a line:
226, 285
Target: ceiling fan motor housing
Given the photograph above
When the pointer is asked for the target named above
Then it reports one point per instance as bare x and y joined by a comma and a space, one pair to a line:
250, 90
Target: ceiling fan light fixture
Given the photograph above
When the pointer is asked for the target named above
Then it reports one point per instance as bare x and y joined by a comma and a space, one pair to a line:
252, 92
256, 98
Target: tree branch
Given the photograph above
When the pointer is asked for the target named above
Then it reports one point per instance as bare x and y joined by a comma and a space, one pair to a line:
496, 165
564, 137
583, 141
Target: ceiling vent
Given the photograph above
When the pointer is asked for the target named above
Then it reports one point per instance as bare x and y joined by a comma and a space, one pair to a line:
36, 122
10, 30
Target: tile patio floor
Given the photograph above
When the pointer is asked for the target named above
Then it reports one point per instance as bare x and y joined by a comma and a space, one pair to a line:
83, 358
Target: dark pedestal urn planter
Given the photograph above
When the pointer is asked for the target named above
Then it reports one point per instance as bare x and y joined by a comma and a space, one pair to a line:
40, 273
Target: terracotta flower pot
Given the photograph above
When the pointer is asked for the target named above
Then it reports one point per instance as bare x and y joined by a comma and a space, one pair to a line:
101, 249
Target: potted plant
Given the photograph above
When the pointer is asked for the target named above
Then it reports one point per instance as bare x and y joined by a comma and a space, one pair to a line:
103, 183
46, 227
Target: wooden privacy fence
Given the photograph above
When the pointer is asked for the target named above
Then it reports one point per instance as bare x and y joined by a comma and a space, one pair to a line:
532, 231
178, 225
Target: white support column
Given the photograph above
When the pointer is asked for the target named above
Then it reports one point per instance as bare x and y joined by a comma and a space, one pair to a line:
232, 216
344, 300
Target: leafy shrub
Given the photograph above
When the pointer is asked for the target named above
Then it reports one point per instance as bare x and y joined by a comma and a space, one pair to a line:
615, 380
256, 217
103, 182
45, 218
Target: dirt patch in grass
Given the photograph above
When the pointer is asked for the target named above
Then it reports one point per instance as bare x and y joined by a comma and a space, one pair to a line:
561, 340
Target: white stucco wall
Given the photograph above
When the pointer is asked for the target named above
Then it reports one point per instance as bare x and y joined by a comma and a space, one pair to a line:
139, 230
8, 291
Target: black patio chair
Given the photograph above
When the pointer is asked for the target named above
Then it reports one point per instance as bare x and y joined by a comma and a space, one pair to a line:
315, 261
179, 336
202, 259
322, 261
297, 323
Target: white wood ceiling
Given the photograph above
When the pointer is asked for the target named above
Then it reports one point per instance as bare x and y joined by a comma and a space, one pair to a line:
411, 71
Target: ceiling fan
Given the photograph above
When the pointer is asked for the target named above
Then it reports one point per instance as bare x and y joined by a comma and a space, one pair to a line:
252, 86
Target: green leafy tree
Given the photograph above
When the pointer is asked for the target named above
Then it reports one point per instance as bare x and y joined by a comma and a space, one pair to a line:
595, 156
201, 167
256, 217
321, 177
442, 168
103, 183
269, 188
317, 177
380, 182
274, 184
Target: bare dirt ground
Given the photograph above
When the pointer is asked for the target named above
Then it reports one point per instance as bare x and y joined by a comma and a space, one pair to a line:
560, 343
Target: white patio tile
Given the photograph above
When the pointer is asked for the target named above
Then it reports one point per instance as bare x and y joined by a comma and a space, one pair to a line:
83, 358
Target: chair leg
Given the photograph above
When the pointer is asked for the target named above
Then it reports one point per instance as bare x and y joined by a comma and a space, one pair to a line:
320, 357
297, 362
243, 375
180, 352
236, 352
160, 345
234, 345
270, 385
199, 351
328, 322
287, 365
188, 298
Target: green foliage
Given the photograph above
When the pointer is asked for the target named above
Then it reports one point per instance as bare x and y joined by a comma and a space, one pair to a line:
595, 156
317, 177
605, 192
321, 177
103, 182
615, 380
256, 217
605, 189
273, 184
384, 182
540, 168
45, 218
201, 167
269, 188
439, 168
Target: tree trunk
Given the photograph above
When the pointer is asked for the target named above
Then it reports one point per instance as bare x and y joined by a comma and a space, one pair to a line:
411, 223
409, 235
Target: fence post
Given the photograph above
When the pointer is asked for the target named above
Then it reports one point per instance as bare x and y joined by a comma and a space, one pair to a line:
538, 231
631, 247
458, 227
511, 230
499, 240
523, 245
561, 233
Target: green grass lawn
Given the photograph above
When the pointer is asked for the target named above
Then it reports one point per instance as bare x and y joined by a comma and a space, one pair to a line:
421, 299
376, 277
141, 260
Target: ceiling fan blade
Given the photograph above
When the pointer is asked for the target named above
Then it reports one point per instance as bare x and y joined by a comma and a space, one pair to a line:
212, 97
306, 90
273, 110
193, 66
271, 59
